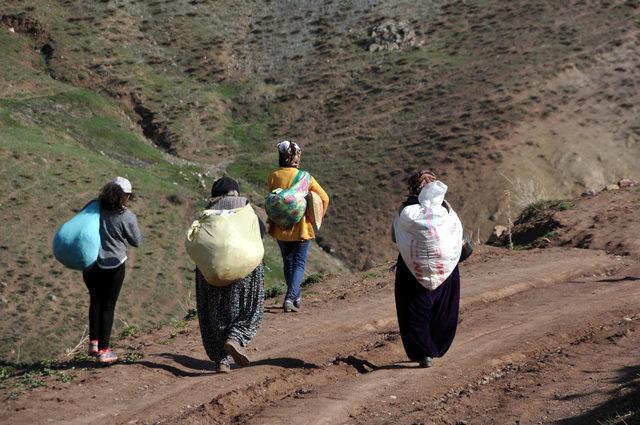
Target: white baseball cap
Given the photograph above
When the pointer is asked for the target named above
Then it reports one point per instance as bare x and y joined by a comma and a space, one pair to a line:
124, 184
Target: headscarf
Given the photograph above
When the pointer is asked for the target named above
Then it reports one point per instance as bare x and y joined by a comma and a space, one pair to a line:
287, 151
224, 186
419, 180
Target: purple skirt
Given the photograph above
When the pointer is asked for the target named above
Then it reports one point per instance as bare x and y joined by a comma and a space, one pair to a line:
428, 319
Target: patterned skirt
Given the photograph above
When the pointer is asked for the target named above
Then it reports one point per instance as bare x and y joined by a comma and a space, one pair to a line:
234, 311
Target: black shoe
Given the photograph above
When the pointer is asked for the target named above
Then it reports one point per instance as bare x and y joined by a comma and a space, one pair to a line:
426, 362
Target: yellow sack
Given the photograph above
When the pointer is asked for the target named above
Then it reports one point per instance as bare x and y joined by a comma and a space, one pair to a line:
225, 244
315, 209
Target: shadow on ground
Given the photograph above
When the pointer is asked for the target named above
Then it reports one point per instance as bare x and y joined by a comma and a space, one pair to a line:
199, 364
365, 366
623, 408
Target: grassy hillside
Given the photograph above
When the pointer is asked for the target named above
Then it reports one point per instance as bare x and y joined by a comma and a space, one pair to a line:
496, 96
58, 145
533, 98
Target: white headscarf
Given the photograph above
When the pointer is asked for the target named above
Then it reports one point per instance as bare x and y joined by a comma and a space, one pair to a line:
285, 147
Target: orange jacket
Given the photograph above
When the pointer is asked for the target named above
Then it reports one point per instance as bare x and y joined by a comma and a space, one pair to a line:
302, 230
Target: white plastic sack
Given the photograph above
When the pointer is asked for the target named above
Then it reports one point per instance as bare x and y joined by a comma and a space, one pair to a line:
429, 237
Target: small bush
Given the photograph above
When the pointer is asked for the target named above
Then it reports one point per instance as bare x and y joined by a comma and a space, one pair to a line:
6, 372
537, 208
128, 330
191, 314
32, 377
31, 380
372, 275
312, 279
132, 356
565, 205
274, 290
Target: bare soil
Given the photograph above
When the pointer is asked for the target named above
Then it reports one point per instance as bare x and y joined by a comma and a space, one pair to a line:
606, 221
340, 360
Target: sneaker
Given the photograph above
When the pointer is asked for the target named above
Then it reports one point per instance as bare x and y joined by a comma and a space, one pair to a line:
289, 306
297, 303
426, 362
92, 350
223, 368
235, 350
106, 357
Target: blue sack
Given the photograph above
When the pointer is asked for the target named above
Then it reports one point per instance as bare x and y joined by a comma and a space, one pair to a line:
77, 243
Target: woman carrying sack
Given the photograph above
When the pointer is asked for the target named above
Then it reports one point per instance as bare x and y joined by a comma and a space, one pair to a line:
230, 315
118, 225
427, 297
293, 239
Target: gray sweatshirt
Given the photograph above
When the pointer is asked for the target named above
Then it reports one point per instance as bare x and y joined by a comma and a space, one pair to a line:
115, 230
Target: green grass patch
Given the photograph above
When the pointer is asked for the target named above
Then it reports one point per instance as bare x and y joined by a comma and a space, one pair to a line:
372, 275
250, 136
534, 210
251, 169
312, 279
83, 116
229, 91
17, 379
128, 331
132, 356
274, 289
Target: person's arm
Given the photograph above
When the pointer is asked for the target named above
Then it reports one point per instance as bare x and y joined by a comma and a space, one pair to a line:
131, 230
270, 182
263, 228
315, 187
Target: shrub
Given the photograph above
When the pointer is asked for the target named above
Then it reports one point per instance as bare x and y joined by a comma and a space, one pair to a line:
132, 356
192, 314
312, 279
128, 330
537, 208
274, 290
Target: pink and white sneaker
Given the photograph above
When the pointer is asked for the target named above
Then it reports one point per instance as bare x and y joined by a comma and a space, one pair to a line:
106, 357
92, 350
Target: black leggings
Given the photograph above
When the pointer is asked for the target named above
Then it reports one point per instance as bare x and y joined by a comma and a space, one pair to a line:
104, 287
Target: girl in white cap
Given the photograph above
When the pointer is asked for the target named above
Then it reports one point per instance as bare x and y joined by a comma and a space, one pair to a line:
118, 225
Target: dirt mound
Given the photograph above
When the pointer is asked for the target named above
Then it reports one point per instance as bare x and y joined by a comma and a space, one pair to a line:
608, 221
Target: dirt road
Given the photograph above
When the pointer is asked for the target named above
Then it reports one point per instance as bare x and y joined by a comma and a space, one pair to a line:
341, 360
